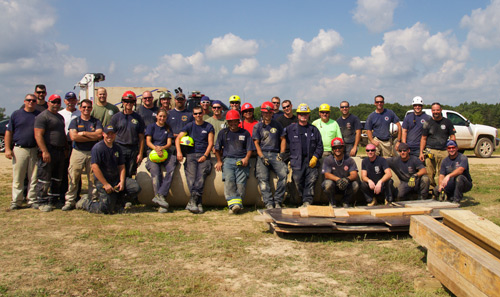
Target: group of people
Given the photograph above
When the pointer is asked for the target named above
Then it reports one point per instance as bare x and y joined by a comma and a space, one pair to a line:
51, 148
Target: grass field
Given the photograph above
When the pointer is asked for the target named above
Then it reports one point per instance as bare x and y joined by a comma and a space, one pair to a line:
144, 253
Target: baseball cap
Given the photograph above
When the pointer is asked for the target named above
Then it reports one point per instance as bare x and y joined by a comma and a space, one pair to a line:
108, 128
70, 95
216, 102
403, 147
180, 96
337, 141
54, 97
205, 99
451, 143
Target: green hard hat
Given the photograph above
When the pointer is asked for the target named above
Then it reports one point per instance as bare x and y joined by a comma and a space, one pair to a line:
153, 156
165, 95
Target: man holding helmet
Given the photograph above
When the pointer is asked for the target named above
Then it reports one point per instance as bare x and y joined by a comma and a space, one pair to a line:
270, 144
413, 125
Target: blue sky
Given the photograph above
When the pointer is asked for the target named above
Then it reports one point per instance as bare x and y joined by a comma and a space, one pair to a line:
306, 51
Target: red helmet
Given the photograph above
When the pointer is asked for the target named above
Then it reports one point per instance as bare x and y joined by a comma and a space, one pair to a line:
232, 115
337, 141
267, 106
129, 95
246, 106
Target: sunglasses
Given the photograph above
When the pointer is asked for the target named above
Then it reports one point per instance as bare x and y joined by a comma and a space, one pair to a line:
30, 100
56, 101
344, 107
451, 147
197, 113
128, 101
246, 111
86, 107
232, 103
286, 106
370, 150
41, 92
379, 102
216, 107
147, 98
337, 148
324, 112
276, 103
402, 151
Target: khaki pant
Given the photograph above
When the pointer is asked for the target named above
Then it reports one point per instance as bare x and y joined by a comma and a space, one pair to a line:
79, 163
385, 148
24, 162
434, 165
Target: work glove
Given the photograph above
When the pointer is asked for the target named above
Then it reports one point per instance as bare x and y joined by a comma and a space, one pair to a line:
313, 161
427, 153
265, 160
343, 183
442, 196
281, 157
412, 180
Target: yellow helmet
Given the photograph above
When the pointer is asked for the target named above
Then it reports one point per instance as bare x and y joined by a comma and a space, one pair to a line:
324, 107
235, 98
153, 156
303, 108
187, 140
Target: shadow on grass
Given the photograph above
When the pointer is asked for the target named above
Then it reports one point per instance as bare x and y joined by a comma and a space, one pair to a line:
347, 237
469, 201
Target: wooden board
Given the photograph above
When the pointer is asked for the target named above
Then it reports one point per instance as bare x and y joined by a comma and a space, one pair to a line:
341, 212
434, 204
358, 211
399, 211
278, 217
398, 221
361, 219
291, 211
471, 262
302, 230
320, 211
482, 232
346, 229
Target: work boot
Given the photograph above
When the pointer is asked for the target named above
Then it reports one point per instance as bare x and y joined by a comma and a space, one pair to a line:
373, 203
128, 205
269, 206
67, 207
46, 207
277, 205
235, 209
200, 208
79, 204
14, 206
35, 205
191, 206
162, 210
160, 200
305, 204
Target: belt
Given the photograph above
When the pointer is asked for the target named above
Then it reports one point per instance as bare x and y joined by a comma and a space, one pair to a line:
24, 146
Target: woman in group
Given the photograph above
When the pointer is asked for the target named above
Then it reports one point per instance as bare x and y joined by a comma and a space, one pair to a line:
159, 139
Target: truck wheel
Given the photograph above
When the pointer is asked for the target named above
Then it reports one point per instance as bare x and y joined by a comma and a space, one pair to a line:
2, 144
484, 148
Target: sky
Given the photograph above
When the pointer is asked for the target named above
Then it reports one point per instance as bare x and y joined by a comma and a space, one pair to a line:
310, 52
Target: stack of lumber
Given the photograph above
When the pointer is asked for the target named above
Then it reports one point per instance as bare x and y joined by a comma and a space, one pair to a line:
325, 219
463, 252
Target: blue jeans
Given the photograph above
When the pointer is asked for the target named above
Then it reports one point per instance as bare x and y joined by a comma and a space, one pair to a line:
112, 202
456, 187
330, 189
161, 185
262, 173
130, 153
196, 173
235, 181
305, 178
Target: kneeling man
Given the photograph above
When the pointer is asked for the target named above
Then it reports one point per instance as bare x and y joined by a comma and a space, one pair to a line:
375, 177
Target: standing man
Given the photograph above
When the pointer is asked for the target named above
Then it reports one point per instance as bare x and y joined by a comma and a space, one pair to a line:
328, 128
341, 175
102, 110
112, 185
454, 176
411, 173
413, 124
378, 128
205, 105
197, 165
217, 120
179, 116
276, 107
270, 144
350, 127
20, 147
85, 131
306, 148
287, 118
40, 93
147, 110
435, 133
233, 149
235, 103
375, 177
51, 140
129, 128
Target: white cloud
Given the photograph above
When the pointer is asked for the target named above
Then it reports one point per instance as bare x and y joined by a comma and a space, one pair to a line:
140, 69
74, 66
376, 15
231, 46
483, 26
112, 67
246, 67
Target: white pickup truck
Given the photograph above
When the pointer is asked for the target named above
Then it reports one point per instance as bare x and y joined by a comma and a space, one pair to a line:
481, 138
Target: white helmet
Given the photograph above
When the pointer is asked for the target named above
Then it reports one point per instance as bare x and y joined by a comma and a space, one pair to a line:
417, 101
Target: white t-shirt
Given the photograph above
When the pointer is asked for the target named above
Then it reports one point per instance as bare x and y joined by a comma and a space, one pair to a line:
68, 117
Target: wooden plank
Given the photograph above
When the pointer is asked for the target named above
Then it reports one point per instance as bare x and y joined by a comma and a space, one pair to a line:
479, 230
361, 219
291, 211
476, 265
341, 212
358, 211
397, 221
399, 211
449, 277
278, 217
303, 212
320, 211
433, 204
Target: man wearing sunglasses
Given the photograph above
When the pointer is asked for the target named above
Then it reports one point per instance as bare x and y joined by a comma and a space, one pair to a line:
40, 93
454, 176
378, 128
51, 140
235, 103
20, 147
350, 127
217, 120
205, 105
376, 177
276, 104
411, 173
147, 110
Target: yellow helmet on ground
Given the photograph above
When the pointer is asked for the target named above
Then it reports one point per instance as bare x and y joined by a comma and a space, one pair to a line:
235, 98
303, 108
324, 107
187, 140
153, 156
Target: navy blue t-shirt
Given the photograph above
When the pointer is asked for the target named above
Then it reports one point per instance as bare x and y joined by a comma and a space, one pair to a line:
278, 114
81, 125
405, 169
178, 119
414, 124
199, 133
437, 133
348, 127
374, 170
269, 136
341, 168
22, 124
148, 114
159, 135
380, 123
108, 160
234, 144
128, 127
448, 165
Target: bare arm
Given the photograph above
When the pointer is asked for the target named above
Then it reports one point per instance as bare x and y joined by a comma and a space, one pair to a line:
423, 143
39, 132
8, 145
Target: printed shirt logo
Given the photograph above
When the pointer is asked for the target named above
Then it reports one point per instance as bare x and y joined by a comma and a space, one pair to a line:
377, 169
241, 137
443, 127
117, 154
223, 125
110, 112
422, 121
184, 118
273, 130
348, 126
346, 168
386, 118
204, 132
154, 114
410, 170
134, 121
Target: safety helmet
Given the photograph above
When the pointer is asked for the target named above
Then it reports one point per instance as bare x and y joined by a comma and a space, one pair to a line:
324, 107
232, 115
337, 141
187, 140
153, 156
166, 95
303, 108
129, 95
54, 97
246, 106
235, 98
417, 101
267, 106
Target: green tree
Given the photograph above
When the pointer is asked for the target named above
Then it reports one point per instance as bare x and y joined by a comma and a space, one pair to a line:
3, 116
